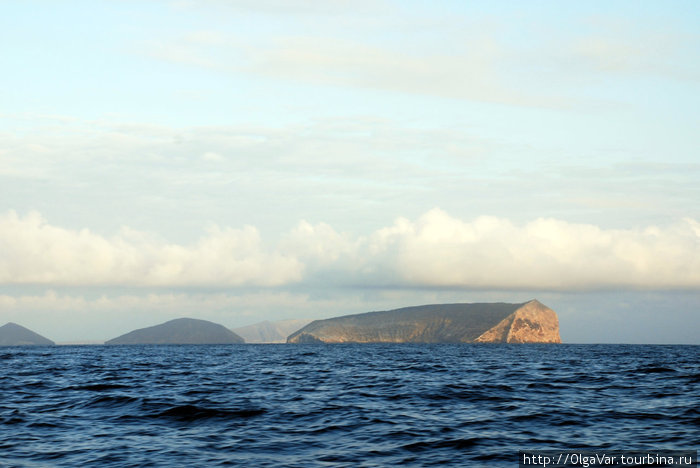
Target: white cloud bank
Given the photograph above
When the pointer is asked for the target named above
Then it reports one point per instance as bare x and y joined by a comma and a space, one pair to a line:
435, 250
35, 252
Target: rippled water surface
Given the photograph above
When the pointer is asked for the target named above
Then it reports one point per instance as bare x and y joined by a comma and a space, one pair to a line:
340, 405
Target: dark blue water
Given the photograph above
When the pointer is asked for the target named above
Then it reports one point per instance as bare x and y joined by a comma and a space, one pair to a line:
340, 405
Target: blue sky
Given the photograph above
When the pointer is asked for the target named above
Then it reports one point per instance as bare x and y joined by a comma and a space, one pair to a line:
240, 161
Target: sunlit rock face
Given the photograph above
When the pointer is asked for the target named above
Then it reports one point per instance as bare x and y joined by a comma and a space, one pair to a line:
530, 322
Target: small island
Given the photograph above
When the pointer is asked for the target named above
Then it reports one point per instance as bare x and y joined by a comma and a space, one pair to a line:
180, 331
529, 322
12, 334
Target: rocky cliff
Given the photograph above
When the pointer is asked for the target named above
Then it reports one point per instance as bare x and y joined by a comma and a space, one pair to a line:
533, 322
180, 331
12, 334
530, 322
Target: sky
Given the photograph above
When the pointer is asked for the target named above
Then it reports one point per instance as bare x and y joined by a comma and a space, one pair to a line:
240, 161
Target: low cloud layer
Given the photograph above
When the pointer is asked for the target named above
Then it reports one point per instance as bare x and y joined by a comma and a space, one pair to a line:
35, 252
436, 250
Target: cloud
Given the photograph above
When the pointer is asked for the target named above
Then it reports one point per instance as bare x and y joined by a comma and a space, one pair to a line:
285, 7
468, 55
622, 47
352, 174
438, 250
212, 157
471, 74
434, 251
161, 178
474, 73
35, 252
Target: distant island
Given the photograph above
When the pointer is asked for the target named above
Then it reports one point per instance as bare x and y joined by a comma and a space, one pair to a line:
270, 332
180, 331
529, 322
12, 334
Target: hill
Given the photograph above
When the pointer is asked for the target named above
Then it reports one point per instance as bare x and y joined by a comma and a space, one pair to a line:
270, 332
12, 334
529, 322
180, 331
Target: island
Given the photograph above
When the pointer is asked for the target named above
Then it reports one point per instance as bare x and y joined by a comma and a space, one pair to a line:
12, 334
270, 332
529, 322
180, 331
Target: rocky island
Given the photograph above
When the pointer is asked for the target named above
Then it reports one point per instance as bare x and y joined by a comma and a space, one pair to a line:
12, 334
180, 331
529, 322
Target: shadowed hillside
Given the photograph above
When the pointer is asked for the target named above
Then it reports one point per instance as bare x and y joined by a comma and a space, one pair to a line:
12, 334
180, 331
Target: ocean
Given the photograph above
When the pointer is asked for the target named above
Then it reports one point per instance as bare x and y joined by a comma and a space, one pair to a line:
340, 405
